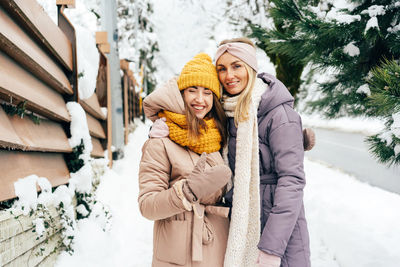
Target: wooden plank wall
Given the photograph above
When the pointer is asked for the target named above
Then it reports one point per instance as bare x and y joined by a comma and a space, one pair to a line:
38, 71
35, 66
101, 99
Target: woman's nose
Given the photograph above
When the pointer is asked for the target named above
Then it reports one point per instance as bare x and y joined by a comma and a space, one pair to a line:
229, 73
199, 97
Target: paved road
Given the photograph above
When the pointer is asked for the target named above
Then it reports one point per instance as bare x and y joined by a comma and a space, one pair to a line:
349, 152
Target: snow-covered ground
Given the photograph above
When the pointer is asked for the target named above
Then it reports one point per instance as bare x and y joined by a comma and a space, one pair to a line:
351, 223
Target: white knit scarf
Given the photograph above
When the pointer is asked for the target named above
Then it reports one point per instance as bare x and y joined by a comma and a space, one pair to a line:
244, 229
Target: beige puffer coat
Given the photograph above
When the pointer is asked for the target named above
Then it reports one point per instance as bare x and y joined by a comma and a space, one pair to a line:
180, 237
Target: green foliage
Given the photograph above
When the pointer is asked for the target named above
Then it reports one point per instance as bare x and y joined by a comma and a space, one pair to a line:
382, 151
312, 37
362, 61
385, 102
66, 242
287, 70
255, 15
7, 204
20, 110
74, 162
87, 200
385, 89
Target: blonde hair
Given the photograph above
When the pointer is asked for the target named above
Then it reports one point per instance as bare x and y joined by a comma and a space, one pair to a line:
244, 101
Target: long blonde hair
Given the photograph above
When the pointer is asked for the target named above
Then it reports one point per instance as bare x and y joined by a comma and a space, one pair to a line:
244, 101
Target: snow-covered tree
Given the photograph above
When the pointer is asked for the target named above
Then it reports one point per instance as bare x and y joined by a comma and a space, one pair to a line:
360, 42
137, 40
385, 102
252, 18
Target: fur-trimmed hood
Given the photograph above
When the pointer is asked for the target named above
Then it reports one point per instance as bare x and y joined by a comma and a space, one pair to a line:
166, 97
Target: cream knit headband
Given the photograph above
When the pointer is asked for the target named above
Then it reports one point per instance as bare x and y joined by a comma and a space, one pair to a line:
242, 51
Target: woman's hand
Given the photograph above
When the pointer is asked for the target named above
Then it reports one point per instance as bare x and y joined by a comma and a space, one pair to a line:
159, 129
268, 260
202, 183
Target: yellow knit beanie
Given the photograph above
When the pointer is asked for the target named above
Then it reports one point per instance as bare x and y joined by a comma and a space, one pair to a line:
200, 72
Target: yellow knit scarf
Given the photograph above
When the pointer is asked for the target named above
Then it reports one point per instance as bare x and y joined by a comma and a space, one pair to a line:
209, 140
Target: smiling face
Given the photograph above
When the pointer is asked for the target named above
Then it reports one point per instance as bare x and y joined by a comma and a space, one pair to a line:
199, 100
232, 74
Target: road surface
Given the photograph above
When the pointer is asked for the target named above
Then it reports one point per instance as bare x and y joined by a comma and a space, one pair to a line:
349, 152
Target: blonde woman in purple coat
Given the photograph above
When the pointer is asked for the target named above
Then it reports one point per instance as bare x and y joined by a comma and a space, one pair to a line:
265, 153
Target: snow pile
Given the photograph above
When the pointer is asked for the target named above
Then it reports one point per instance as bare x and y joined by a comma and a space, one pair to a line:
374, 11
25, 190
131, 235
88, 61
364, 89
86, 24
356, 221
79, 129
341, 17
351, 50
330, 10
29, 203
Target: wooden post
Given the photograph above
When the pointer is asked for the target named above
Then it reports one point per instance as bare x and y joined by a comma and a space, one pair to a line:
126, 110
109, 117
102, 43
68, 3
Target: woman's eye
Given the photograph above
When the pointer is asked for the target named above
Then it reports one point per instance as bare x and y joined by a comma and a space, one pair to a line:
208, 92
220, 69
237, 66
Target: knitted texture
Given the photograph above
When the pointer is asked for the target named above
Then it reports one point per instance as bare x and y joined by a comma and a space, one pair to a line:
200, 72
244, 229
209, 140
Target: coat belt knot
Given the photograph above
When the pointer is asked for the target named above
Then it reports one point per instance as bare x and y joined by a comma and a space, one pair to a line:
200, 224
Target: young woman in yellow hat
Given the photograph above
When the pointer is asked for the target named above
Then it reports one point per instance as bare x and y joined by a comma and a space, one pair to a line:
182, 178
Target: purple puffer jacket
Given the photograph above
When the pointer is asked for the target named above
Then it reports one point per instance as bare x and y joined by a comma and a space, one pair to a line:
283, 225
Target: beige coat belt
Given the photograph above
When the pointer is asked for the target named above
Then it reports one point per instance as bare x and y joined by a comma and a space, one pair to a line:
199, 223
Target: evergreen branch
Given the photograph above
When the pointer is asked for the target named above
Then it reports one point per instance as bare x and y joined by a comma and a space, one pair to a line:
20, 110
385, 89
382, 152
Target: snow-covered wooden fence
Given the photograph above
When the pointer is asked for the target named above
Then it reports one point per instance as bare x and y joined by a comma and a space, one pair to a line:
38, 76
130, 97
98, 122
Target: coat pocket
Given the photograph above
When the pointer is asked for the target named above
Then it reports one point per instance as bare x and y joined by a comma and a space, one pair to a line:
171, 242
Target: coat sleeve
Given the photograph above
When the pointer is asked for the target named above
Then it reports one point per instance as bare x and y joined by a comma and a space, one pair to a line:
157, 200
286, 144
